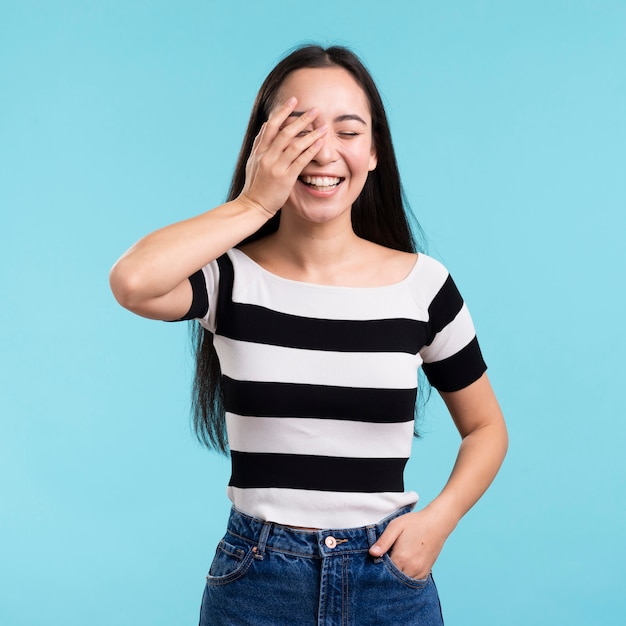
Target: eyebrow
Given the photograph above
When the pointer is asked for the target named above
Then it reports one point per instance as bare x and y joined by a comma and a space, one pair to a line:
340, 118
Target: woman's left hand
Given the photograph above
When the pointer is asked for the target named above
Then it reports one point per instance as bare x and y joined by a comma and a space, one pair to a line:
414, 541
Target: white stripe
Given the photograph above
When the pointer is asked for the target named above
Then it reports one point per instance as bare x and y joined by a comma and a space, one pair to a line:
454, 337
255, 285
323, 437
408, 299
211, 273
318, 509
427, 281
265, 363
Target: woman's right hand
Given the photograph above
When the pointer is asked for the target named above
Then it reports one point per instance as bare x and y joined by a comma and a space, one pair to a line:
151, 278
279, 154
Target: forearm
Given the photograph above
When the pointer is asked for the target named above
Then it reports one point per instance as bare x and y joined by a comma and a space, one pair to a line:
159, 262
479, 458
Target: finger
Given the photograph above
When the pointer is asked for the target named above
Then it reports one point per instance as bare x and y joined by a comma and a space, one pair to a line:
259, 136
304, 141
300, 122
289, 132
278, 117
385, 541
304, 154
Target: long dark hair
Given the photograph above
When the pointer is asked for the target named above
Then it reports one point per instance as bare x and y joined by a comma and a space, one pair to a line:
380, 213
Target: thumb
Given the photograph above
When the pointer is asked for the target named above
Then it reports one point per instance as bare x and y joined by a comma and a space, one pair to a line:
385, 541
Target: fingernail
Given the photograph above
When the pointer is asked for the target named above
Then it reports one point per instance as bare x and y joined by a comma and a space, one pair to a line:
291, 101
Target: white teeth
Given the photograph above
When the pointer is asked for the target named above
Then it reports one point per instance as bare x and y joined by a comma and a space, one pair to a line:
321, 181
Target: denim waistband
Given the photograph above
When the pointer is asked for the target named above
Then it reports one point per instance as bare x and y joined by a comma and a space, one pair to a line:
306, 543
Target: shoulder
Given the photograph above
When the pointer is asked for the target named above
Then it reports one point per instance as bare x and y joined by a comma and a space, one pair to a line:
386, 266
429, 266
419, 270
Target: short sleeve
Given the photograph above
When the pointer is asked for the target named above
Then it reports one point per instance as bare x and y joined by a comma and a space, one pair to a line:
204, 287
452, 358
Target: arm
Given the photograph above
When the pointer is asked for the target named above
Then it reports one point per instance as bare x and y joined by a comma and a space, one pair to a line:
416, 539
150, 279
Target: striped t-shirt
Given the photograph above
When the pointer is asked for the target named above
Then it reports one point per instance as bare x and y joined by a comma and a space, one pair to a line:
320, 384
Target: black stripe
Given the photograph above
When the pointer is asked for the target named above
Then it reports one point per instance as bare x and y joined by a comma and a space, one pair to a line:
322, 473
272, 399
200, 298
250, 322
457, 371
225, 291
444, 308
258, 324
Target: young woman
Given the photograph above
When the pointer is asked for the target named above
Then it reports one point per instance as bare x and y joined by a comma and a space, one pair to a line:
315, 315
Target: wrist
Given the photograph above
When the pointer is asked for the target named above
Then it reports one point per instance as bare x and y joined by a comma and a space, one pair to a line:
445, 512
248, 202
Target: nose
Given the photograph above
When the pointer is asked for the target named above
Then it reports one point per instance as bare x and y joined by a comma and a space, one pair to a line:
328, 152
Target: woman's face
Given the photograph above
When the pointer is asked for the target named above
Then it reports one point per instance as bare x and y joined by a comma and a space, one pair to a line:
332, 181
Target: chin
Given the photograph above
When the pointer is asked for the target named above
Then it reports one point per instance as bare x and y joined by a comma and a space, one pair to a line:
321, 215
318, 212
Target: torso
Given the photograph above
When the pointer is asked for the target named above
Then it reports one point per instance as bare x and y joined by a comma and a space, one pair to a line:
320, 381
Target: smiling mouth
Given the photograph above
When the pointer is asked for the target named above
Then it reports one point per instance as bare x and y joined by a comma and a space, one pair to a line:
321, 183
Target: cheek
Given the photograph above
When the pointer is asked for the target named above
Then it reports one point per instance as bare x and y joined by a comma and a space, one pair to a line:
363, 163
363, 157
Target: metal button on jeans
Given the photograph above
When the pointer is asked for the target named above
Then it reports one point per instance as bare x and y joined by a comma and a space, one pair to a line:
330, 542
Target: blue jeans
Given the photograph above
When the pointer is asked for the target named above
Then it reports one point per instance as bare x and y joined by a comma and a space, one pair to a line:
265, 574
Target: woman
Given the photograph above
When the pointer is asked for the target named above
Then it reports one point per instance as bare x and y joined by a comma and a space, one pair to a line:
316, 314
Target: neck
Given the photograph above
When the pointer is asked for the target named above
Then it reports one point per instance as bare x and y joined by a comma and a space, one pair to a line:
312, 240
316, 250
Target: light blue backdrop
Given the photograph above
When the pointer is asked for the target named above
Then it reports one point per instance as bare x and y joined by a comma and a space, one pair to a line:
119, 117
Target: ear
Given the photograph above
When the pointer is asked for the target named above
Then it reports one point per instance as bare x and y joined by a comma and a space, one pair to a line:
373, 158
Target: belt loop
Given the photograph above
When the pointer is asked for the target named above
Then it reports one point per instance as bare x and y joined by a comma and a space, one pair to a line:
371, 535
260, 549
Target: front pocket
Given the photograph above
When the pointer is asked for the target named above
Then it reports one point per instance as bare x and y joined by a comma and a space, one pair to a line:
230, 562
392, 568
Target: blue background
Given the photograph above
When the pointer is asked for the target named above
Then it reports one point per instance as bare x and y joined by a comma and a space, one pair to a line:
119, 117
